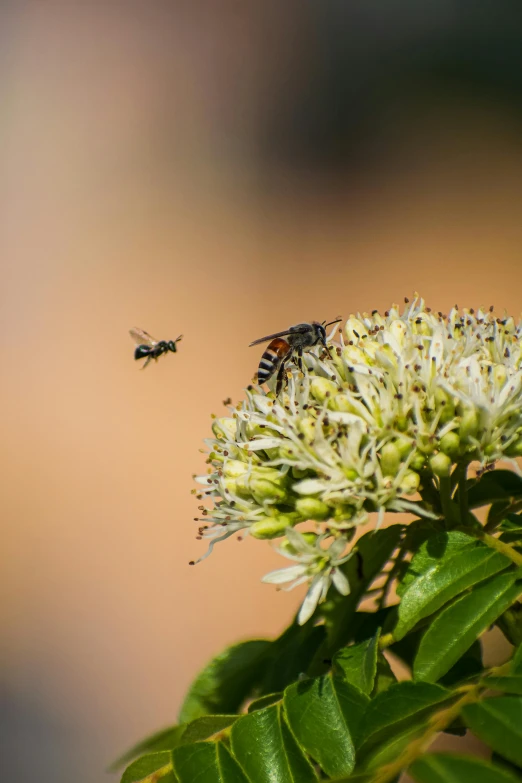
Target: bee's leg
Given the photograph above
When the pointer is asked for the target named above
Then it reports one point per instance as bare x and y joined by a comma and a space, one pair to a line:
327, 350
299, 360
147, 360
280, 377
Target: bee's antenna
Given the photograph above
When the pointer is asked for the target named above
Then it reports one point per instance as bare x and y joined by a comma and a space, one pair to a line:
337, 320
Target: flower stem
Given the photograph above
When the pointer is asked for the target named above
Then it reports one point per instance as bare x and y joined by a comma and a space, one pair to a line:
445, 500
463, 493
437, 723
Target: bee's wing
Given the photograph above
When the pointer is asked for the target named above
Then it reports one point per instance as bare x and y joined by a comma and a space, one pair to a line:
141, 337
293, 330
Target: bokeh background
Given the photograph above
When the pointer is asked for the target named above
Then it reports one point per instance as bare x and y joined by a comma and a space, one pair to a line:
221, 169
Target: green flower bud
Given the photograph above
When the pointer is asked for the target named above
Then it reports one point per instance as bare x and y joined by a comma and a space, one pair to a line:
271, 527
440, 465
468, 425
224, 428
410, 482
307, 426
312, 508
450, 444
263, 489
343, 512
404, 447
417, 461
390, 459
515, 450
322, 388
354, 329
234, 468
286, 546
239, 486
444, 401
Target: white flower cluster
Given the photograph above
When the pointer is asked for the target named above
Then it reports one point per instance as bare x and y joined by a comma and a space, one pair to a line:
404, 398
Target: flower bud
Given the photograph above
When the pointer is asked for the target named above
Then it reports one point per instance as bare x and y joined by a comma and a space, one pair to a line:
355, 329
468, 425
450, 444
515, 449
271, 527
312, 508
234, 468
307, 426
417, 461
404, 447
286, 546
444, 401
410, 482
390, 459
440, 465
322, 388
224, 428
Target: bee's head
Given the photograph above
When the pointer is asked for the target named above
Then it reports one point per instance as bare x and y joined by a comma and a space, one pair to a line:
171, 345
320, 332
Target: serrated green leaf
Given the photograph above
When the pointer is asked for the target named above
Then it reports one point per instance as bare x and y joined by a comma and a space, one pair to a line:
498, 722
324, 715
449, 768
442, 582
227, 681
455, 629
494, 486
266, 750
394, 717
166, 739
374, 550
152, 768
207, 762
508, 684
358, 664
438, 547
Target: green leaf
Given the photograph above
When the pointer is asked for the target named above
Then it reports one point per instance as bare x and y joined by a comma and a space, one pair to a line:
494, 486
358, 664
442, 582
448, 768
516, 663
166, 739
385, 676
158, 765
264, 746
291, 655
207, 762
324, 715
264, 701
498, 722
468, 665
374, 550
512, 527
227, 681
508, 684
394, 717
205, 727
438, 548
455, 629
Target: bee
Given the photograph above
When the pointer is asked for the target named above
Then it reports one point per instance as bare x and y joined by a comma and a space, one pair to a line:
280, 351
148, 348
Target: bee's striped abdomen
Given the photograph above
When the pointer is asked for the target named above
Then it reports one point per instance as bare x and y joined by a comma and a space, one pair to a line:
271, 359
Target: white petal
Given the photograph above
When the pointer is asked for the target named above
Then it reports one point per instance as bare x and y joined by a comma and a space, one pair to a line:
300, 543
336, 549
341, 583
309, 487
311, 600
261, 443
284, 574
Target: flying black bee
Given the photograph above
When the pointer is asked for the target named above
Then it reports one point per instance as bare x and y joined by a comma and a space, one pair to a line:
148, 348
280, 352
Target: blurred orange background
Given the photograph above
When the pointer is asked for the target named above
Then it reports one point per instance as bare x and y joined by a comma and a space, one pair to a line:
222, 170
